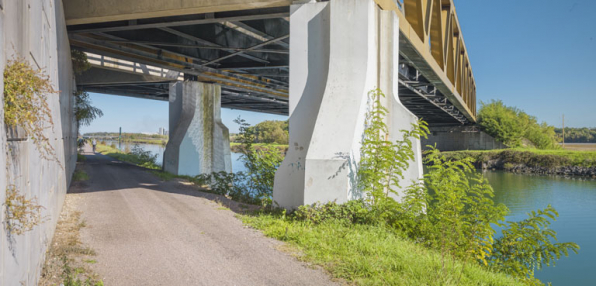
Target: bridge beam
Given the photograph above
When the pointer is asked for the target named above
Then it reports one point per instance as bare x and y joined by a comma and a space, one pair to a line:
341, 50
199, 141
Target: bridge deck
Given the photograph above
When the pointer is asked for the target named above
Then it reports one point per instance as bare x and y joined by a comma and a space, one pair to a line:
246, 51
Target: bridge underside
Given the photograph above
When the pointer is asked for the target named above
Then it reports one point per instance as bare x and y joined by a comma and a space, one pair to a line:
246, 52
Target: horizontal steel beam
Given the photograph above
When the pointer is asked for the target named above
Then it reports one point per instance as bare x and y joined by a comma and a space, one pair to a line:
181, 23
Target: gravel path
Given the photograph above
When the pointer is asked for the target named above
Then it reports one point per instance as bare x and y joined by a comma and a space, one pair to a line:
148, 232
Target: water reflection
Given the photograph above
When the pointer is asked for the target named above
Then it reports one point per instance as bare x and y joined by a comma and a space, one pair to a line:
574, 199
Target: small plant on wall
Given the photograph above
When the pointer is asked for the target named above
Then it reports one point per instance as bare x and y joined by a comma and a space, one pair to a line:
22, 214
25, 103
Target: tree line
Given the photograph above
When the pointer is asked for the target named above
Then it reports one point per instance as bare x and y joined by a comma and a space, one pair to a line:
577, 135
269, 132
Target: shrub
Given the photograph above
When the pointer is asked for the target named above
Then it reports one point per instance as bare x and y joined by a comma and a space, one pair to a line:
142, 156
527, 245
511, 126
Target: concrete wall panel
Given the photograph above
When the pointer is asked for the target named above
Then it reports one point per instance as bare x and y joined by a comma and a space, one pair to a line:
36, 32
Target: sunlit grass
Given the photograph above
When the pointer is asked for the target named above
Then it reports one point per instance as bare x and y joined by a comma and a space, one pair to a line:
126, 157
371, 255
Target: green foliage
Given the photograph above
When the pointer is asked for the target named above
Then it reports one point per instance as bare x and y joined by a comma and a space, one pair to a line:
527, 245
531, 158
256, 184
81, 158
382, 161
80, 175
137, 156
577, 135
21, 214
260, 165
459, 211
70, 276
84, 112
355, 211
79, 61
25, 103
511, 126
269, 132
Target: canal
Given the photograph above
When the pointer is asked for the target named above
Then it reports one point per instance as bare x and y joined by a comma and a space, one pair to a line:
574, 199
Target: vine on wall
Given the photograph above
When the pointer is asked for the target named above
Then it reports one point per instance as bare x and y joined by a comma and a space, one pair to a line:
22, 214
25, 103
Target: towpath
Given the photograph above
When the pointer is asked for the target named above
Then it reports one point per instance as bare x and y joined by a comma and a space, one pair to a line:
149, 232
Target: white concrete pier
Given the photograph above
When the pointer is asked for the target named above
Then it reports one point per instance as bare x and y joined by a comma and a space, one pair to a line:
199, 141
340, 51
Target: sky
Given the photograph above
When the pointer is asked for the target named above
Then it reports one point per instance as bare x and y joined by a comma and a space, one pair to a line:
537, 55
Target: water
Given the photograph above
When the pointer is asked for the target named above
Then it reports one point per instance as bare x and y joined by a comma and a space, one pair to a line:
159, 149
574, 199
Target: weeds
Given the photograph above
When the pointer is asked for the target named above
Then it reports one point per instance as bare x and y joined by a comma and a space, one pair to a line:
22, 214
80, 175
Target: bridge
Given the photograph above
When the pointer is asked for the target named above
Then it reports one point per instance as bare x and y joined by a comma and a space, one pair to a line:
314, 61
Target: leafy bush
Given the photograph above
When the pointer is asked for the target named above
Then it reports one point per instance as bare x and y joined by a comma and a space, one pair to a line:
355, 211
143, 157
527, 245
511, 126
382, 161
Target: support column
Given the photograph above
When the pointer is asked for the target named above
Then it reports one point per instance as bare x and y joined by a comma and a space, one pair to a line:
340, 51
199, 142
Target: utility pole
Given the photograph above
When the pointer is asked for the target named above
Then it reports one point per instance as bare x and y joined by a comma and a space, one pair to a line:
563, 131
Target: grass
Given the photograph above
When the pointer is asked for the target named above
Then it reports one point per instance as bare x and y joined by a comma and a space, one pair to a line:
80, 175
67, 258
371, 255
81, 158
126, 157
530, 157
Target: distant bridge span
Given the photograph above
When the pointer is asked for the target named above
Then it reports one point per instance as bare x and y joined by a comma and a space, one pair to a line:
314, 61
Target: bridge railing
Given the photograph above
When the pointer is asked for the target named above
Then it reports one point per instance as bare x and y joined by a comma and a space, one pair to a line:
129, 66
433, 29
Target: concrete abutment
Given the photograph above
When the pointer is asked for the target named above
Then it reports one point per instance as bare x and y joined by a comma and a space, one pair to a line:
341, 50
199, 142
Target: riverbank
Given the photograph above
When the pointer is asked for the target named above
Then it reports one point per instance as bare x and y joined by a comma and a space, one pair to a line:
237, 147
545, 162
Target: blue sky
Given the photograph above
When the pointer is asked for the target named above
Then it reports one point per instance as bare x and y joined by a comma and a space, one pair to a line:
539, 56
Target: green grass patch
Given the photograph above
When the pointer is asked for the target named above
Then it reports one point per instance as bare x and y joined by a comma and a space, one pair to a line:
166, 176
372, 255
81, 158
80, 175
126, 157
530, 157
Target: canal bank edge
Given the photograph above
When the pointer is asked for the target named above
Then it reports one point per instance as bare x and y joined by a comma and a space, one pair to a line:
543, 162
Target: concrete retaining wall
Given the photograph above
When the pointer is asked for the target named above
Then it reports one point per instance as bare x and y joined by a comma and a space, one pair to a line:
461, 138
35, 31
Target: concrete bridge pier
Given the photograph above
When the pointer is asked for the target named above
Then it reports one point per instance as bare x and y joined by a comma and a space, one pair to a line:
199, 141
341, 50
